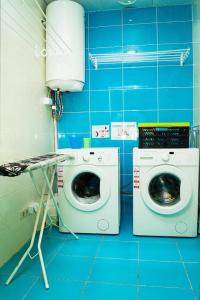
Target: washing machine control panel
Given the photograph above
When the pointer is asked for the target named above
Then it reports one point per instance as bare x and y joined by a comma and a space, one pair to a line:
101, 157
91, 157
153, 157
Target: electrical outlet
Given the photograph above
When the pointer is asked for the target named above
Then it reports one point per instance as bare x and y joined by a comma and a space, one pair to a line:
29, 210
32, 208
24, 213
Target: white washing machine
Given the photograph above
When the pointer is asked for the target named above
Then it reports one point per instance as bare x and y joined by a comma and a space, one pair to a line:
88, 190
165, 192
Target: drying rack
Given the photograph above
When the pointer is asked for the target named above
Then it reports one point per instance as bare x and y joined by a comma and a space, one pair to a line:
177, 55
48, 169
24, 29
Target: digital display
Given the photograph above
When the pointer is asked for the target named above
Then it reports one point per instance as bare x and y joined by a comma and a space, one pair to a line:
171, 152
92, 153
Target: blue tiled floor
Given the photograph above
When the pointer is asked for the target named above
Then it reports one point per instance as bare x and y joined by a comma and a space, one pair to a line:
111, 267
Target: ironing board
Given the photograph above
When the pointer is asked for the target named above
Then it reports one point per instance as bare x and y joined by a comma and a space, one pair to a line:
47, 164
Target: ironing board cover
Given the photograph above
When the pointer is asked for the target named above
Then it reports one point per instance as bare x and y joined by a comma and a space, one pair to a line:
16, 168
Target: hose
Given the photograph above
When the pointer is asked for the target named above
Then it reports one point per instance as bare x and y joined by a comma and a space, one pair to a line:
57, 107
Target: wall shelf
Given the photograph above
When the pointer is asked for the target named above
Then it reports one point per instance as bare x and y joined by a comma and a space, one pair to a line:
178, 55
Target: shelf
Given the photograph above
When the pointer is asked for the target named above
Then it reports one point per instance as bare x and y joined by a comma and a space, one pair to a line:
179, 55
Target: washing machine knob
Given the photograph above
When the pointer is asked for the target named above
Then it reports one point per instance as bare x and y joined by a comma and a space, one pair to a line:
165, 157
100, 158
86, 157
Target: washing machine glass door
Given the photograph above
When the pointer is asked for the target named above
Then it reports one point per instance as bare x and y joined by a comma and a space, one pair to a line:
87, 188
166, 189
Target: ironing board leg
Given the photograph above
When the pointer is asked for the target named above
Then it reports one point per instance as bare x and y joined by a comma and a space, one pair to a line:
39, 246
38, 191
56, 206
32, 238
42, 230
47, 184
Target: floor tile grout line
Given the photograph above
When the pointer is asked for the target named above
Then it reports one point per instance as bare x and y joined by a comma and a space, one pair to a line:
101, 242
163, 286
142, 285
55, 254
82, 294
185, 269
113, 241
30, 288
137, 292
46, 266
131, 284
124, 284
130, 259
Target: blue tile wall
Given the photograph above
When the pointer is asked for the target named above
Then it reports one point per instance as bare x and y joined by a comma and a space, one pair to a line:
170, 14
105, 36
99, 101
116, 100
139, 16
105, 79
174, 76
139, 34
105, 18
177, 98
142, 77
133, 92
180, 32
142, 99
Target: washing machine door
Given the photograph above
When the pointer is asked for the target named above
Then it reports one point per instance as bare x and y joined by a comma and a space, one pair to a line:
166, 189
87, 188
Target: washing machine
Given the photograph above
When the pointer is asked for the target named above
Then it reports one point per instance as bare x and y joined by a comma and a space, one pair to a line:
88, 190
165, 192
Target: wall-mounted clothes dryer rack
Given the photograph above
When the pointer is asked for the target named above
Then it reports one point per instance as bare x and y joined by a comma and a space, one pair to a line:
178, 55
26, 29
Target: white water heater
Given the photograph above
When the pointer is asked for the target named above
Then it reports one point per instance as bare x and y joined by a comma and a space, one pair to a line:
65, 46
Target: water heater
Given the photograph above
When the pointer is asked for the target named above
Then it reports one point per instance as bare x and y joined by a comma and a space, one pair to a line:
65, 46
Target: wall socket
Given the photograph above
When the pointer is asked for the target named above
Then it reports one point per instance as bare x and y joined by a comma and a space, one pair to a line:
29, 210
24, 213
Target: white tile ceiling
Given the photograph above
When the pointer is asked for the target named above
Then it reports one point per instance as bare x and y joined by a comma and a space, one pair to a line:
92, 5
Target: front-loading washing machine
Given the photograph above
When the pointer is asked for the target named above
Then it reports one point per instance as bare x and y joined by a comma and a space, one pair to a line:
88, 190
165, 192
